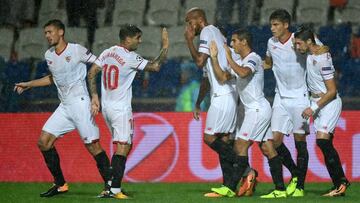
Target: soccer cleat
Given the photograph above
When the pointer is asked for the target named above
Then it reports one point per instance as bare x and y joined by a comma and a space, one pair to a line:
109, 194
292, 186
248, 185
212, 195
55, 190
224, 191
274, 194
339, 191
298, 193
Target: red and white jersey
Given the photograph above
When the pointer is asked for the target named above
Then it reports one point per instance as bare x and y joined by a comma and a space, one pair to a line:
119, 67
288, 67
208, 34
319, 68
250, 89
68, 70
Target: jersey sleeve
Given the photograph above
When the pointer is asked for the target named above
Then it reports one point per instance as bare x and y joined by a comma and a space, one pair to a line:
232, 72
268, 53
204, 46
98, 62
252, 62
327, 69
85, 54
135, 61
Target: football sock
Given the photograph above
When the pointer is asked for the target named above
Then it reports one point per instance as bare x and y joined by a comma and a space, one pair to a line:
53, 163
302, 162
238, 170
224, 150
226, 169
287, 160
332, 160
103, 165
275, 164
118, 168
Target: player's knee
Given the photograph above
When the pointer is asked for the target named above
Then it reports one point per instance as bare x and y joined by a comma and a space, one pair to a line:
208, 139
43, 145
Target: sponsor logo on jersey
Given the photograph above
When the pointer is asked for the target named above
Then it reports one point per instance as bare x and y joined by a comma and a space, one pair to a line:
326, 68
203, 42
252, 62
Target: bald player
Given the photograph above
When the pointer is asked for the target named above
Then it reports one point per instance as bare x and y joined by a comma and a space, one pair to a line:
221, 117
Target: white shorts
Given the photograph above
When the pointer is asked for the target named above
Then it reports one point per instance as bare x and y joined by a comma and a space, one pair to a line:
71, 116
326, 119
256, 124
120, 123
286, 117
221, 116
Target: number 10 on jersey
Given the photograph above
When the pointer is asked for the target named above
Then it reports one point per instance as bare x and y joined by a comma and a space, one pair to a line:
110, 77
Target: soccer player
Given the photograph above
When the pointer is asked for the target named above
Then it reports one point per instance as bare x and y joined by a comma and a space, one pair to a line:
325, 105
119, 65
67, 67
221, 117
256, 125
291, 97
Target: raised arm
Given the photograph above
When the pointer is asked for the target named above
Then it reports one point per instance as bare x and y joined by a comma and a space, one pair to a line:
220, 75
199, 58
44, 81
204, 89
241, 71
154, 65
95, 103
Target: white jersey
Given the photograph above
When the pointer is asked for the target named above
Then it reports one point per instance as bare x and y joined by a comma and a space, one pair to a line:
319, 68
68, 70
208, 34
119, 67
250, 89
288, 67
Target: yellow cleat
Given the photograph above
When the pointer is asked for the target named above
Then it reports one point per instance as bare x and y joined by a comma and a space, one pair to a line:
224, 191
292, 186
120, 195
298, 193
274, 194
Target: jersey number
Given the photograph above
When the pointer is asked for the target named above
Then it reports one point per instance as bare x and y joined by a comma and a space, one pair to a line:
111, 77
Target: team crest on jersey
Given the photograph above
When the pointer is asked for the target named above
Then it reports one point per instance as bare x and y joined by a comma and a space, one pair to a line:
49, 63
68, 58
274, 47
139, 58
314, 62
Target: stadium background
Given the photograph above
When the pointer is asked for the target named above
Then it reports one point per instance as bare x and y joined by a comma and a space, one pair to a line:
168, 145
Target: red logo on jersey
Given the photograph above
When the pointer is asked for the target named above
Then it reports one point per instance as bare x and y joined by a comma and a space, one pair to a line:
209, 129
245, 134
49, 62
68, 58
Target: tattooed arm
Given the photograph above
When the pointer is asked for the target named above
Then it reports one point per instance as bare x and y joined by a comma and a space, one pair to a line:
95, 103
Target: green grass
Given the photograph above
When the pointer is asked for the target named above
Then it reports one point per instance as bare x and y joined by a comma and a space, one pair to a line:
161, 192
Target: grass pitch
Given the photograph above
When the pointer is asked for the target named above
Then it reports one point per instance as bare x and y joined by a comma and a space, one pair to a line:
162, 192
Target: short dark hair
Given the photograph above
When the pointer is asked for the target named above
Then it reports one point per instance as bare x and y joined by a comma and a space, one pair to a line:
128, 30
57, 23
304, 33
244, 34
281, 15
